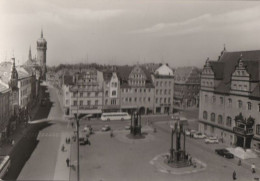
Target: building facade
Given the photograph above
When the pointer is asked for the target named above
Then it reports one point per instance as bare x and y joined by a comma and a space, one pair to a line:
186, 87
230, 98
136, 89
163, 80
85, 94
111, 98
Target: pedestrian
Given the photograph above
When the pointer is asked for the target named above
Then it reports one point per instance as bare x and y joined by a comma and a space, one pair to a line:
253, 168
239, 162
63, 148
190, 160
68, 162
69, 140
234, 175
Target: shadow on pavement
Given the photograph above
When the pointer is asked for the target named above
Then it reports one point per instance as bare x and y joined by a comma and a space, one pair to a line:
45, 108
23, 150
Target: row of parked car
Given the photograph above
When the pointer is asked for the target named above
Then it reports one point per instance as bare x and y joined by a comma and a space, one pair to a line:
210, 140
198, 135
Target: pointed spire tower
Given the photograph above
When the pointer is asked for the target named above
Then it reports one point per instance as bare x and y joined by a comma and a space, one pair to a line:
14, 76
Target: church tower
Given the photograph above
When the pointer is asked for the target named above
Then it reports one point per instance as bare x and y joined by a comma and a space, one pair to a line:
14, 77
41, 55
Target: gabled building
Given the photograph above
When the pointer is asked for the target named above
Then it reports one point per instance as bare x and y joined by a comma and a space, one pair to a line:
163, 80
111, 98
136, 89
84, 93
230, 98
186, 87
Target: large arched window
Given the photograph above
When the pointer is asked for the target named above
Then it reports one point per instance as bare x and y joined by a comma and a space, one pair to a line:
229, 121
220, 120
205, 115
212, 117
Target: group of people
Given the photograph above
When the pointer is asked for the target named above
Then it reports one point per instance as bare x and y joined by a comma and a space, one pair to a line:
239, 164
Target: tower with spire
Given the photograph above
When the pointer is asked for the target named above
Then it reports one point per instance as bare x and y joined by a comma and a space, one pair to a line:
13, 84
41, 54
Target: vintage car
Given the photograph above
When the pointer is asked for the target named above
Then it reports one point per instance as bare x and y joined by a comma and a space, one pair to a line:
225, 153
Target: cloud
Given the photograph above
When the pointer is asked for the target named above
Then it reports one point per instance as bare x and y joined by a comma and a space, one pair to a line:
235, 19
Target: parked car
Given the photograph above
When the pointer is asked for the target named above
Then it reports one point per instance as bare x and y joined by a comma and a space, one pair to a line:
225, 153
189, 132
199, 135
127, 127
211, 140
88, 129
105, 128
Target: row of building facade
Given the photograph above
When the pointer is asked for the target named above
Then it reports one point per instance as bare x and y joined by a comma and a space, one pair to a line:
125, 88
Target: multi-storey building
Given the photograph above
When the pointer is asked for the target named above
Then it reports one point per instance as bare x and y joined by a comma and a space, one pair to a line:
163, 80
111, 98
8, 98
5, 109
84, 94
230, 98
136, 89
186, 87
25, 88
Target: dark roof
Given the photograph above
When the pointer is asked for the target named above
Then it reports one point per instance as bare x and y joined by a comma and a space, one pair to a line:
231, 61
218, 68
107, 75
227, 63
68, 79
124, 71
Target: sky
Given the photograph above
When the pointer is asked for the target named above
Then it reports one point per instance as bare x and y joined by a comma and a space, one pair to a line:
180, 33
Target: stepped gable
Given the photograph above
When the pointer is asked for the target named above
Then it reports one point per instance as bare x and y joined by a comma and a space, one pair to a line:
226, 65
230, 60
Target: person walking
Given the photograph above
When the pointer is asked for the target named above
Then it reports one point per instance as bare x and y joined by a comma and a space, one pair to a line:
68, 162
234, 175
253, 168
239, 162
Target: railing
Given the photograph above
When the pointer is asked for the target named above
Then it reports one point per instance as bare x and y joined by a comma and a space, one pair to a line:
247, 131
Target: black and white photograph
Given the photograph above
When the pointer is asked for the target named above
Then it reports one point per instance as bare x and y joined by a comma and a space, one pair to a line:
130, 90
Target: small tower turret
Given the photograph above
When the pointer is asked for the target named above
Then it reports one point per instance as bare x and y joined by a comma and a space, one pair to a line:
41, 54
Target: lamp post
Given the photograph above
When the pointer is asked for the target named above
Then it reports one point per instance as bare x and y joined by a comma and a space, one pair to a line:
77, 127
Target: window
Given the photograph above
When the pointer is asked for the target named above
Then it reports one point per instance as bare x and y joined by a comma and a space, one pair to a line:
149, 99
96, 94
206, 98
130, 99
169, 100
205, 115
165, 100
96, 102
212, 117
240, 104
220, 121
89, 94
213, 99
165, 92
135, 99
257, 129
169, 91
221, 100
74, 103
74, 94
89, 103
156, 91
81, 103
135, 90
140, 90
230, 101
113, 93
156, 100
107, 93
161, 92
229, 121
113, 101
115, 84
249, 105
106, 102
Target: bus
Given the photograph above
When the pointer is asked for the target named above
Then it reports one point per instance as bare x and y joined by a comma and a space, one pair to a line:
115, 116
5, 163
